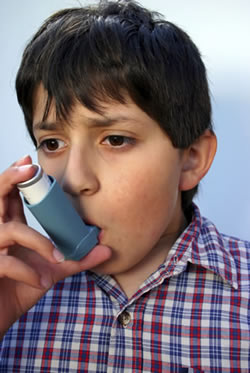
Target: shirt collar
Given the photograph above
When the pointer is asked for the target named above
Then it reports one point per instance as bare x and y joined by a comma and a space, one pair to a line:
200, 244
203, 245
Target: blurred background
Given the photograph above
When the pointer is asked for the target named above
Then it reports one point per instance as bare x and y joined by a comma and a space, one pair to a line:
221, 31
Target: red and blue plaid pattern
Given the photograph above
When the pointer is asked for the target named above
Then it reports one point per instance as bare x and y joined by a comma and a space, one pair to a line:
191, 315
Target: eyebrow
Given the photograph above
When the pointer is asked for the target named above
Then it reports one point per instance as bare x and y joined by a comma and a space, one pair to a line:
91, 122
107, 121
46, 126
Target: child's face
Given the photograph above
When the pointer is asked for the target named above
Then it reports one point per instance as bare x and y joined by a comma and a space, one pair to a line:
122, 174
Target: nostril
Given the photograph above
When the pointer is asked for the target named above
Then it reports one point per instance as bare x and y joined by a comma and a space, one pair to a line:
79, 177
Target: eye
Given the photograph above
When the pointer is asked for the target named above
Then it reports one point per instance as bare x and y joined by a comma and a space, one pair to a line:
51, 145
118, 140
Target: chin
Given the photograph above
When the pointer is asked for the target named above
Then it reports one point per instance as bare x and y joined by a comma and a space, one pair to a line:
101, 270
110, 267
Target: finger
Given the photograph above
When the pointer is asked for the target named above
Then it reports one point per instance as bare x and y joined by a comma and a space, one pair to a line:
15, 233
15, 207
8, 181
17, 270
16, 211
22, 161
14, 175
4, 251
97, 255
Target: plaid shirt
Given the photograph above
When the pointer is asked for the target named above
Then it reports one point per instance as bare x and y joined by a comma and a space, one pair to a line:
191, 315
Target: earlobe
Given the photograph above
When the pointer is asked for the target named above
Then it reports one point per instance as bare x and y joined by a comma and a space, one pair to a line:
197, 160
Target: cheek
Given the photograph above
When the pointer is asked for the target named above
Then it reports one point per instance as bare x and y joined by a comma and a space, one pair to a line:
54, 166
143, 202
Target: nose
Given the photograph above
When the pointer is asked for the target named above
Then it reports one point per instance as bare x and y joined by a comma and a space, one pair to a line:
79, 176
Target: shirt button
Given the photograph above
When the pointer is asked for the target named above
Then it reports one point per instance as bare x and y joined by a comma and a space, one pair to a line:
124, 318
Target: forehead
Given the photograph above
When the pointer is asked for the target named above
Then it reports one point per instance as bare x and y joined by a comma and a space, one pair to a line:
110, 112
39, 104
126, 117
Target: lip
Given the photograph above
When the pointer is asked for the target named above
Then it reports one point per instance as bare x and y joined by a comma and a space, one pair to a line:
100, 235
91, 223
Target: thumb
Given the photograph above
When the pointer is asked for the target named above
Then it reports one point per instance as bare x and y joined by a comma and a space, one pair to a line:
96, 256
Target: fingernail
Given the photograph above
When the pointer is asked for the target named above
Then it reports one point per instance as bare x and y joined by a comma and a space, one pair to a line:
24, 168
59, 257
23, 158
45, 282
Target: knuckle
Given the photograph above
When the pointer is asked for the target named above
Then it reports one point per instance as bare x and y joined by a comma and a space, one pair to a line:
6, 238
12, 227
8, 232
5, 175
7, 180
6, 265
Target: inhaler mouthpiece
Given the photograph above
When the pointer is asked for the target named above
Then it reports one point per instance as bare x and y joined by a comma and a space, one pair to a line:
46, 200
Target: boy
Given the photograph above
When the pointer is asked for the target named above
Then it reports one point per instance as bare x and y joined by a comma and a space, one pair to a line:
116, 101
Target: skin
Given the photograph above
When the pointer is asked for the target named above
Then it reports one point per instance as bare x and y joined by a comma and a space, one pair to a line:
122, 174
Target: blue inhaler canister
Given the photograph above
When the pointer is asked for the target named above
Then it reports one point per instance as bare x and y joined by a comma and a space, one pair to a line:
46, 200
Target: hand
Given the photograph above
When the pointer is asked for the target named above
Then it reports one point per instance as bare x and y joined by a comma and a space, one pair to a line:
29, 263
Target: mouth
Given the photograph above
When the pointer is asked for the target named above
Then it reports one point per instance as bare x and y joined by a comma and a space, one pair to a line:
91, 223
88, 222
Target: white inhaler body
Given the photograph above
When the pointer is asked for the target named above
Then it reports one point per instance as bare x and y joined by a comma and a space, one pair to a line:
46, 200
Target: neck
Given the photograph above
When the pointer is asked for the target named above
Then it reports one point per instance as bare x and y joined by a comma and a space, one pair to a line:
131, 280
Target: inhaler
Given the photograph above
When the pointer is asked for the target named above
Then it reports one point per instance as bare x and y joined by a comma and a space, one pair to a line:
46, 200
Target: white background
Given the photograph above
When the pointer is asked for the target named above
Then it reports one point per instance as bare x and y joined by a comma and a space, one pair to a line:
221, 30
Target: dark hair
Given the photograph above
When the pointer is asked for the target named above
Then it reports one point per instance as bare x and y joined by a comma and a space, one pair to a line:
111, 49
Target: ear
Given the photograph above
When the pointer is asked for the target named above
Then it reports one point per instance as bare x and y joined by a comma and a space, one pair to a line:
197, 160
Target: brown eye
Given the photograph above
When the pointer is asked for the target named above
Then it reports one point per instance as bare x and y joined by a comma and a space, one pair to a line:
119, 141
51, 145
116, 140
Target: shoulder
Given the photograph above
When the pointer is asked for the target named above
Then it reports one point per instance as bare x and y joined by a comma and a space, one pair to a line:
223, 254
240, 249
234, 252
